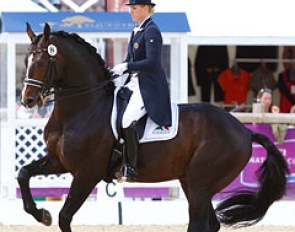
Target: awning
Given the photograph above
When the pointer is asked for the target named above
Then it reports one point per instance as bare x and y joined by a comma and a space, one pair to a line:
90, 21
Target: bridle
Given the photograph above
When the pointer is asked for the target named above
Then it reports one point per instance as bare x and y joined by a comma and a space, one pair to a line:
47, 88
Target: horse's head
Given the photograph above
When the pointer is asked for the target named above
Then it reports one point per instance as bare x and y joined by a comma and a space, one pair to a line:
59, 60
41, 67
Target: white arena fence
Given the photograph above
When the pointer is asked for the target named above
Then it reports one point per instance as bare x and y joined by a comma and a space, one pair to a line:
29, 146
283, 118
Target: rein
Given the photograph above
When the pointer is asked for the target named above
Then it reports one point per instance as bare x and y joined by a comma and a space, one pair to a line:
77, 91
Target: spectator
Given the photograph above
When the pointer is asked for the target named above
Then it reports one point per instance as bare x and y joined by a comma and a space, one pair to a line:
265, 97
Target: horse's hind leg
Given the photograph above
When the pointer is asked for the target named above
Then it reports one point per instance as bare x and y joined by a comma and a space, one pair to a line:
46, 165
214, 223
202, 217
80, 189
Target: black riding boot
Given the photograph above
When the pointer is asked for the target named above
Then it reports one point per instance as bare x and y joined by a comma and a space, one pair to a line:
131, 141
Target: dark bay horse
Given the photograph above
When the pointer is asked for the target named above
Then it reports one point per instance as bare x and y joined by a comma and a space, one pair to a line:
209, 151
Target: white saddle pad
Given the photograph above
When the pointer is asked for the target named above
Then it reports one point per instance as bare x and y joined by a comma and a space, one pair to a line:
152, 131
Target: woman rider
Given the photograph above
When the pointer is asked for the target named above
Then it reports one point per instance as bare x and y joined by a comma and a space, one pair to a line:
147, 80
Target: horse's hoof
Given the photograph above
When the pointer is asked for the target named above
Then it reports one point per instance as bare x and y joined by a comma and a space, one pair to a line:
118, 175
120, 178
46, 217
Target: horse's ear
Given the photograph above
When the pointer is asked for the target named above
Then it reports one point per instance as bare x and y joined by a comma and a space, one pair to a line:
46, 31
30, 32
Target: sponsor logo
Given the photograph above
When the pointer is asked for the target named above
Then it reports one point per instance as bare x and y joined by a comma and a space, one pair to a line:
78, 21
82, 22
161, 130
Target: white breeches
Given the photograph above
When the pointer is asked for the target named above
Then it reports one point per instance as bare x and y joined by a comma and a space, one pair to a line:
135, 108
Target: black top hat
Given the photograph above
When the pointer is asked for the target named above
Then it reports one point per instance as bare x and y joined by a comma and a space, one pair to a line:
140, 2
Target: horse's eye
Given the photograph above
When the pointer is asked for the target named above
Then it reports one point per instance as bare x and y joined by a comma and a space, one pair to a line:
41, 63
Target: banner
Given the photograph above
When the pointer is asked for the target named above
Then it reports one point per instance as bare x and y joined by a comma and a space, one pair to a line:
89, 21
248, 178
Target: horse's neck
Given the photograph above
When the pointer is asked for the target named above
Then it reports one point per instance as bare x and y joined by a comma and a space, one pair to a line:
82, 88
78, 78
83, 72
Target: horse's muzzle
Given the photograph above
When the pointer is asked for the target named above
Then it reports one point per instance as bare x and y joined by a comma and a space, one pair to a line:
30, 102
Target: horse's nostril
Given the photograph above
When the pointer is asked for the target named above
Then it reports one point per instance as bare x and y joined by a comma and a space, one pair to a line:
28, 102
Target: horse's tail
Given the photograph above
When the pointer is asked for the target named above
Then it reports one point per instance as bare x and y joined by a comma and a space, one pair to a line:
248, 207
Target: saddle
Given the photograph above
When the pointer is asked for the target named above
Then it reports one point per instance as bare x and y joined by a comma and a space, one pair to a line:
147, 129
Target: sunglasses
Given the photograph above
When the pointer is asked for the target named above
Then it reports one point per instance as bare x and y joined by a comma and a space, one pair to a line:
265, 90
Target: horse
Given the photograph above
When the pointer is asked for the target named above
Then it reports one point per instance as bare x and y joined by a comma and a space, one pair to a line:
209, 151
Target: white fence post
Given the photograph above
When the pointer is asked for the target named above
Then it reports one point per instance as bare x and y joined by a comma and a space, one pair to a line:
179, 72
8, 158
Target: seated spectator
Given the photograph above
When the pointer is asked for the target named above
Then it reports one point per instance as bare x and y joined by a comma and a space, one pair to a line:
265, 97
279, 130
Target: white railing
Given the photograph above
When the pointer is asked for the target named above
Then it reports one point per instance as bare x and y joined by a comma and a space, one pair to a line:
286, 118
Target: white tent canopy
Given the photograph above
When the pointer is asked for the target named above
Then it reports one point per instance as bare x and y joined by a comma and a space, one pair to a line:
236, 21
20, 6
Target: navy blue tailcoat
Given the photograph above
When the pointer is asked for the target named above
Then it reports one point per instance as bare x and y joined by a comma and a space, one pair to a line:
144, 58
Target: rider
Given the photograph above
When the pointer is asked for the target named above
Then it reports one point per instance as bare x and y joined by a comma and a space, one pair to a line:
147, 80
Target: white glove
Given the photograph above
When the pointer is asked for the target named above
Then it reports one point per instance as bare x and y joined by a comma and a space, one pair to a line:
119, 69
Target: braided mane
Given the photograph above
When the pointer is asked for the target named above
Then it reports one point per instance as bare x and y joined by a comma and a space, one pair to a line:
78, 39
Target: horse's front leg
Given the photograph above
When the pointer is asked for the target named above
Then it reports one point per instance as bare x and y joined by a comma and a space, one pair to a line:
81, 187
46, 165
